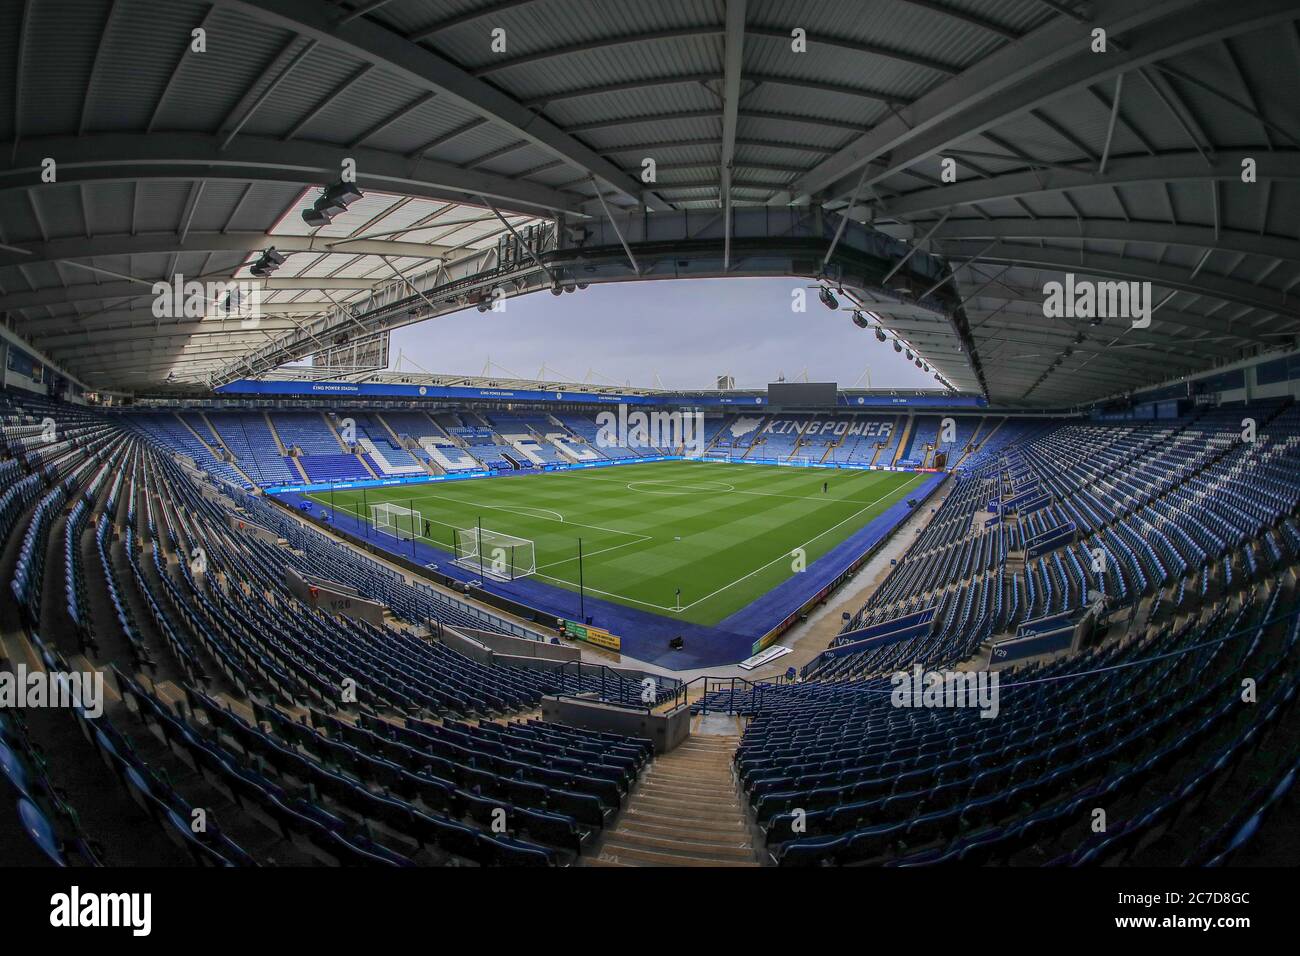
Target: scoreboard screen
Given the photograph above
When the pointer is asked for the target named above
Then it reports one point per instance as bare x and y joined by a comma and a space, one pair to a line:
802, 394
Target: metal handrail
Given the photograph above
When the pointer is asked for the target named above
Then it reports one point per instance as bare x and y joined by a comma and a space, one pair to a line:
755, 689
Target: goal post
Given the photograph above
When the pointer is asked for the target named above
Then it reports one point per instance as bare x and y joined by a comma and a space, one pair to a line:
495, 554
399, 521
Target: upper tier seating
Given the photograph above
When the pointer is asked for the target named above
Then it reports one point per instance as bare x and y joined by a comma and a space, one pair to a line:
249, 439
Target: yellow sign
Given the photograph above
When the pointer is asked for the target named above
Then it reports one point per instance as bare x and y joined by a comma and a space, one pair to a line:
593, 635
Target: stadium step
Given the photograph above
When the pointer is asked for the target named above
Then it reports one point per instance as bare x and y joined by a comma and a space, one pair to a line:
275, 435
684, 812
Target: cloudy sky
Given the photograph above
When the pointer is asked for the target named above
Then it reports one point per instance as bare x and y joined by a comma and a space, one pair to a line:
688, 332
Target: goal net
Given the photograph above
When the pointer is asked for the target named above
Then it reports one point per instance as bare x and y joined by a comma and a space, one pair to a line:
402, 523
495, 554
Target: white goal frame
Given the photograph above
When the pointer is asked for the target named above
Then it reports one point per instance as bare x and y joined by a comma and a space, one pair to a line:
495, 554
398, 520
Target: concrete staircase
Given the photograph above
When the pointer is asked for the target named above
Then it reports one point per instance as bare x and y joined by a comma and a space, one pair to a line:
685, 812
904, 441
279, 442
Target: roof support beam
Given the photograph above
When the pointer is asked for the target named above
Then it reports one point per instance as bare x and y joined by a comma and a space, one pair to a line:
91, 338
527, 248
1047, 63
282, 67
189, 156
1062, 332
636, 267
328, 99
241, 242
94, 69
953, 13
421, 67
732, 59
916, 245
1282, 165
1120, 230
1141, 270
128, 291
20, 63
1110, 126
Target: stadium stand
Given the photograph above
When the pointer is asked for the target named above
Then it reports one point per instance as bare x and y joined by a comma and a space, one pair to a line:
1199, 531
248, 658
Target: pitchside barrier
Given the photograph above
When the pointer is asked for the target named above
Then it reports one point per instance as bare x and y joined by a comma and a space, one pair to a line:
592, 635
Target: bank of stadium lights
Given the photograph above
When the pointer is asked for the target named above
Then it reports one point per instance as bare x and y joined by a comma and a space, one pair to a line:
567, 285
266, 263
861, 321
333, 202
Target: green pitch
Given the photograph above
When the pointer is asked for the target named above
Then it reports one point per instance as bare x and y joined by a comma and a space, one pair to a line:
723, 534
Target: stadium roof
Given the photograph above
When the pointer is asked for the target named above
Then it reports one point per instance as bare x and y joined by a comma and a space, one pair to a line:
1123, 164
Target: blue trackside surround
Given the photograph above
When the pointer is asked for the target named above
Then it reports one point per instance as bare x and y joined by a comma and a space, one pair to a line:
644, 635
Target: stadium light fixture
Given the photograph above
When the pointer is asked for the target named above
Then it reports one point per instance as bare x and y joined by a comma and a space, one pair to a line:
828, 298
266, 263
860, 320
316, 218
333, 201
880, 335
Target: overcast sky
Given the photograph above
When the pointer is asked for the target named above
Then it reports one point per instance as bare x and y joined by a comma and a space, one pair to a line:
687, 331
